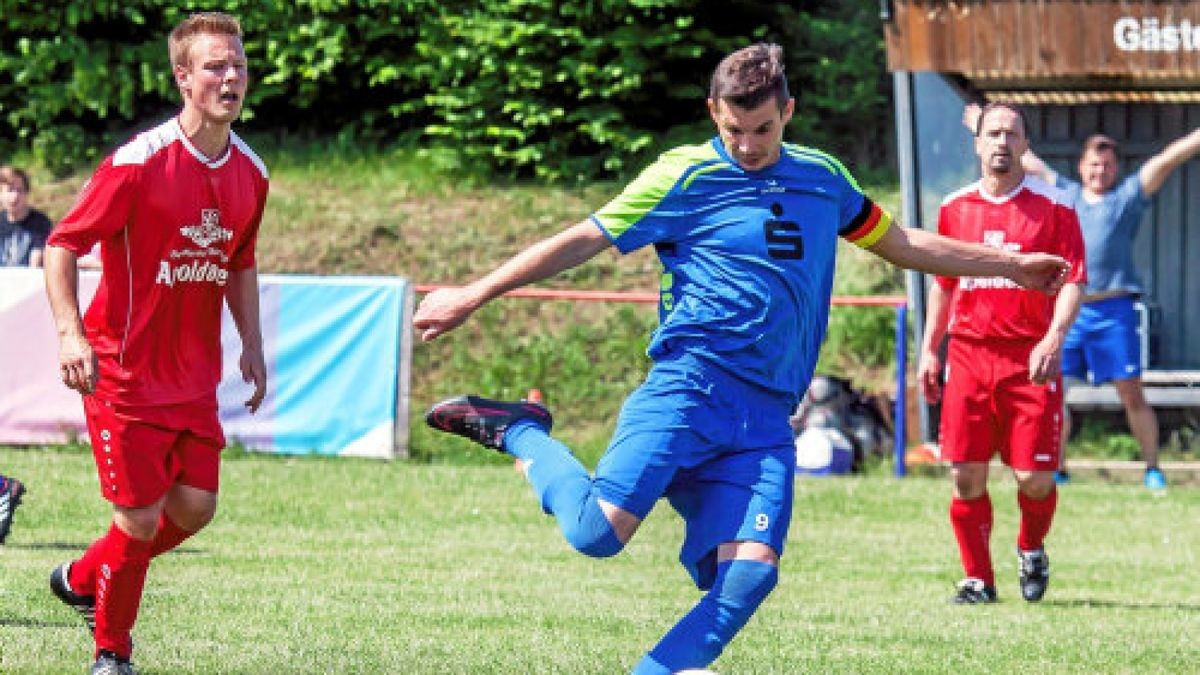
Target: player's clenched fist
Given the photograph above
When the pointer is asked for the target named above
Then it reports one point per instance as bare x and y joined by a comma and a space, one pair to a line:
443, 310
1042, 272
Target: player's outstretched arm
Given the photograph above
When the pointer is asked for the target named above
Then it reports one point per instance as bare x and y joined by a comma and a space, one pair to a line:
1158, 168
77, 361
917, 249
445, 309
242, 298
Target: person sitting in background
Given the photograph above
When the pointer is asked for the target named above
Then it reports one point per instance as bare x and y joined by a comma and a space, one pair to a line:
23, 229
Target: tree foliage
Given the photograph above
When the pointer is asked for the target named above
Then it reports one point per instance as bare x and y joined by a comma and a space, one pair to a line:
561, 89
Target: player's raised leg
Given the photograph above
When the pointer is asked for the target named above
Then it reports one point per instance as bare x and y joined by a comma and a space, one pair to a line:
484, 420
562, 484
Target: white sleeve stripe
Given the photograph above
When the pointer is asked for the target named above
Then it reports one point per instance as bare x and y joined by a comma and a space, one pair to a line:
249, 153
146, 144
973, 187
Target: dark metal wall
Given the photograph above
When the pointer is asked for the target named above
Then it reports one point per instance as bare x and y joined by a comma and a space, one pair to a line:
1167, 248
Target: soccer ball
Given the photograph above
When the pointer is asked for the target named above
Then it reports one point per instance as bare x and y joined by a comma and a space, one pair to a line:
822, 451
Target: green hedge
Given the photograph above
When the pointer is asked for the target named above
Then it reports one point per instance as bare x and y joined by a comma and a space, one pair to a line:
554, 88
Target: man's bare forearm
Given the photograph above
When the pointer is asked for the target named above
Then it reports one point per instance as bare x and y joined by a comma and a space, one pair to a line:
62, 289
242, 299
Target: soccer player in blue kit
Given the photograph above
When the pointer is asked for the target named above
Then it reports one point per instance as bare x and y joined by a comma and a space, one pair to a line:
746, 229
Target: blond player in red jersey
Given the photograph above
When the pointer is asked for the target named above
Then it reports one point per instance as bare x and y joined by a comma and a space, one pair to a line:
1003, 382
176, 212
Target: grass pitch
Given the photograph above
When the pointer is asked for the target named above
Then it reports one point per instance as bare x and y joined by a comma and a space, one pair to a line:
365, 567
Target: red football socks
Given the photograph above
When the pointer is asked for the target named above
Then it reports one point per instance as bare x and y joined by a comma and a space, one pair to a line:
169, 536
1036, 516
82, 576
122, 573
972, 522
83, 571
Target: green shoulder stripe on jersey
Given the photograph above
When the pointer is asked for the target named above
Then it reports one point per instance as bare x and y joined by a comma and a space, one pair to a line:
679, 166
712, 166
813, 155
665, 283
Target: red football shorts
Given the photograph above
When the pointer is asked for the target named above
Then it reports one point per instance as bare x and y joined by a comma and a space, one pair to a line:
141, 452
989, 406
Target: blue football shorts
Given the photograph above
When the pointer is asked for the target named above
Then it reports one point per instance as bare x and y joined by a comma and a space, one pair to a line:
1103, 343
721, 451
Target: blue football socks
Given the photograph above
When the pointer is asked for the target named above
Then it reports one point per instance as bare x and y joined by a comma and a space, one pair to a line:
700, 636
565, 489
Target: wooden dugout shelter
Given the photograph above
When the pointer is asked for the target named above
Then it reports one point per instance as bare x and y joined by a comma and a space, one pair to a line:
1129, 69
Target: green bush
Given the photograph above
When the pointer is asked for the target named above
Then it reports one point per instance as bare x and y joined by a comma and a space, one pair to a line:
102, 67
562, 90
1102, 438
559, 90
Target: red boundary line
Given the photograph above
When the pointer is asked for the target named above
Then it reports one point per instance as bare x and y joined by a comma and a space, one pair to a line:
652, 298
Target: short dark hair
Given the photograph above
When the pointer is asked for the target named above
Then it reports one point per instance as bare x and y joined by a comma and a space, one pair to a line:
1007, 106
11, 174
750, 76
1099, 143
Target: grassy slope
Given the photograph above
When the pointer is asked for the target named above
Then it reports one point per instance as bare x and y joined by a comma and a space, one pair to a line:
362, 567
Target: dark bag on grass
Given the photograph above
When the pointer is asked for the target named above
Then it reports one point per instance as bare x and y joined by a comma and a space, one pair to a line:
837, 426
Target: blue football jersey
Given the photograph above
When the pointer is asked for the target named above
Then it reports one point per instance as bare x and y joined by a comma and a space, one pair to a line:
747, 256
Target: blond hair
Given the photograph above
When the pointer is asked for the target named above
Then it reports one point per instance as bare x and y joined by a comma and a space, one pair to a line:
179, 44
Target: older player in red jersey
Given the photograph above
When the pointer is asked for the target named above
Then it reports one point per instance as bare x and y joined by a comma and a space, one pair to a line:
1003, 385
176, 212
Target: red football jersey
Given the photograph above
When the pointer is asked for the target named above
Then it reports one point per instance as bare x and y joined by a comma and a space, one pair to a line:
172, 224
1035, 217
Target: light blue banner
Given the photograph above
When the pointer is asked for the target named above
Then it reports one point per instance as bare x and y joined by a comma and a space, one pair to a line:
336, 347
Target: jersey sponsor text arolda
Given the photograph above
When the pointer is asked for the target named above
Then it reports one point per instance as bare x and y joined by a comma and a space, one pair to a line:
203, 263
